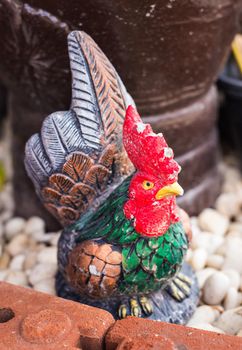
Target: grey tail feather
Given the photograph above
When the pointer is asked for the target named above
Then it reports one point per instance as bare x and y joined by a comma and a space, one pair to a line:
37, 163
84, 101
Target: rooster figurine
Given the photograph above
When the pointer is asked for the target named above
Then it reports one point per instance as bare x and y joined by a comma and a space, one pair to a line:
112, 183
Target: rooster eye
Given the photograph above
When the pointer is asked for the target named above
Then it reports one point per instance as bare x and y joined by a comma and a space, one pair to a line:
147, 185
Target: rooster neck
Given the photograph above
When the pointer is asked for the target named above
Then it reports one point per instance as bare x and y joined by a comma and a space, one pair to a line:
151, 220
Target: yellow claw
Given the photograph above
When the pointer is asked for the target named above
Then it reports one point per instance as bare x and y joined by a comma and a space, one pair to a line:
135, 309
146, 305
122, 311
184, 278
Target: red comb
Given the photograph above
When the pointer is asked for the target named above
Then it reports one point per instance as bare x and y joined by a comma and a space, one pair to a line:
148, 151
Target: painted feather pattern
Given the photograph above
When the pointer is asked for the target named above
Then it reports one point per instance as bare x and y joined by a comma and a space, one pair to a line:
79, 154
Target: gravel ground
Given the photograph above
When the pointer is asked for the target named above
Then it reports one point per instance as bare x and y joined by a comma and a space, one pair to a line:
28, 254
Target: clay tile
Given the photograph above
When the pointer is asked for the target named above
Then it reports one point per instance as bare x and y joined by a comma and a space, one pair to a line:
43, 322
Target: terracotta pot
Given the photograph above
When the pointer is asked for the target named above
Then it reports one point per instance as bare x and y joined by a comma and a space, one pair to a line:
167, 53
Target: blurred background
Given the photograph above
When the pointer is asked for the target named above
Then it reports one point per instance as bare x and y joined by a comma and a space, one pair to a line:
182, 63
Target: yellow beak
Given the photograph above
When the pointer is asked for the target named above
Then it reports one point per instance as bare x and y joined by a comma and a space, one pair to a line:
171, 190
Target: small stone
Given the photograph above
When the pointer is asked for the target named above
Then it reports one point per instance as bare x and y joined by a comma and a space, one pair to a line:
203, 314
240, 286
199, 259
46, 286
208, 241
189, 255
48, 255
212, 221
1, 230
17, 277
218, 308
17, 262
17, 245
232, 234
239, 334
41, 272
203, 275
30, 260
5, 216
239, 298
215, 288
233, 254
215, 261
3, 274
35, 225
55, 238
207, 327
234, 277
231, 299
14, 227
236, 226
230, 321
228, 204
4, 260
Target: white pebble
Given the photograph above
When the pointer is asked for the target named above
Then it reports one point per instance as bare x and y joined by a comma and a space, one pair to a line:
3, 274
212, 221
14, 227
203, 314
239, 334
1, 230
4, 260
30, 260
17, 262
17, 277
239, 298
42, 272
35, 225
231, 299
46, 286
17, 245
55, 238
228, 204
215, 261
233, 254
215, 288
199, 259
207, 327
234, 277
236, 226
230, 321
203, 275
48, 255
232, 234
208, 241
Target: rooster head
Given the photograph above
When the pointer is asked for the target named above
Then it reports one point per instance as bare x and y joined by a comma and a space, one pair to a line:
154, 187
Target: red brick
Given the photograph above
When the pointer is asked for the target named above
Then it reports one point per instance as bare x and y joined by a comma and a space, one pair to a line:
181, 337
45, 322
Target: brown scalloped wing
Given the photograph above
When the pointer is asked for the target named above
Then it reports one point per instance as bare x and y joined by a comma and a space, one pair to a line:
69, 194
94, 269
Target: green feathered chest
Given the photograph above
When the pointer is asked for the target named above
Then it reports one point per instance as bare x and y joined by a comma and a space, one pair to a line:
150, 263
